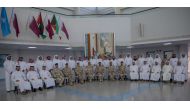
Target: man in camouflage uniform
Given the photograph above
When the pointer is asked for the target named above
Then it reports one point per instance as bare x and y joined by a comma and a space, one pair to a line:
100, 71
122, 71
111, 71
68, 73
79, 73
89, 72
58, 75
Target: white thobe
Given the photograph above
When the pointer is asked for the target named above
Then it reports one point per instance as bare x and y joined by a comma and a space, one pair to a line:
158, 60
115, 64
47, 78
93, 62
119, 61
57, 61
134, 75
9, 67
145, 72
39, 64
149, 61
85, 63
33, 77
49, 64
173, 62
72, 64
80, 63
22, 83
141, 61
179, 74
106, 63
155, 73
167, 70
23, 66
184, 63
63, 62
128, 61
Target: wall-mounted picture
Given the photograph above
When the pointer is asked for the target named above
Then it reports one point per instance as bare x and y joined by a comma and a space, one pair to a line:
168, 53
99, 44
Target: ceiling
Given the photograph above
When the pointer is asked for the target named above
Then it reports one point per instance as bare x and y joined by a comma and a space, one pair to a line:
73, 11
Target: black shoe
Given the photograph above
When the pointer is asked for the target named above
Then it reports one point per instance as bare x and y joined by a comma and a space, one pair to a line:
34, 90
40, 89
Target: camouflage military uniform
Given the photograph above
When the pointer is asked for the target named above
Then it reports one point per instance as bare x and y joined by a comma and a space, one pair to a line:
122, 72
68, 74
100, 72
89, 72
79, 72
58, 76
111, 71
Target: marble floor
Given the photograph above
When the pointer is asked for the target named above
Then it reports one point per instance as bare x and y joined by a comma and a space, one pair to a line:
106, 91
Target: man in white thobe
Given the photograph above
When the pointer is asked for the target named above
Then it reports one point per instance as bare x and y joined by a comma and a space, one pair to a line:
184, 63
119, 60
145, 71
34, 79
56, 60
157, 59
72, 65
9, 67
23, 65
63, 62
173, 60
167, 71
85, 62
179, 75
134, 74
19, 80
80, 62
141, 61
47, 78
149, 60
39, 63
49, 63
155, 72
115, 64
31, 63
106, 65
93, 61
128, 63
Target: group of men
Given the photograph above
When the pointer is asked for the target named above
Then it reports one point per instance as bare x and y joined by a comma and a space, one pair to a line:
48, 73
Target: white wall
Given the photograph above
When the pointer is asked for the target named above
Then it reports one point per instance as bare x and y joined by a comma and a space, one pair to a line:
161, 23
119, 25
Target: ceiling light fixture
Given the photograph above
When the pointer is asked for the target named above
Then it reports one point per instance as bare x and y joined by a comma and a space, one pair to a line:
168, 43
68, 48
129, 46
32, 47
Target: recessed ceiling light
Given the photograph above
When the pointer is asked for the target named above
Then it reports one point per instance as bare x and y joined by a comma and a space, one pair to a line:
68, 48
129, 46
32, 47
168, 43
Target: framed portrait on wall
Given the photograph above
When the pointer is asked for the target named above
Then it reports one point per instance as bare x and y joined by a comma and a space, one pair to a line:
168, 53
2, 59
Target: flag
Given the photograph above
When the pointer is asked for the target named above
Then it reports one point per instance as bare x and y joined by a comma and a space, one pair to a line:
49, 29
34, 27
41, 26
65, 30
5, 27
15, 25
54, 24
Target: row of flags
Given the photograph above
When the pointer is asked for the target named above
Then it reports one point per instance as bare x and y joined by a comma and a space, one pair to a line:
36, 25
